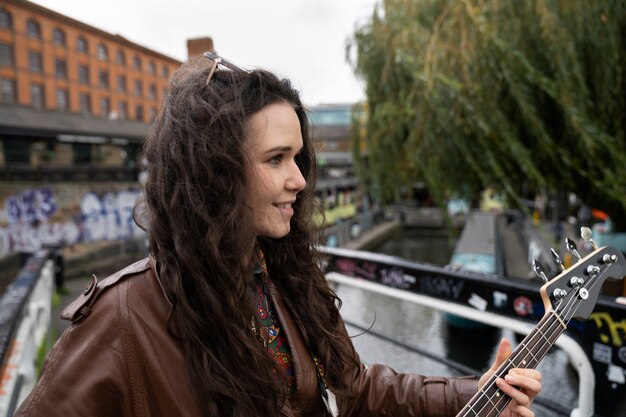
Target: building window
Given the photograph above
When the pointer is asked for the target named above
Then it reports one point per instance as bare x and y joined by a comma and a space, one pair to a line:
35, 62
5, 19
151, 68
16, 152
83, 74
138, 88
36, 95
7, 95
58, 37
85, 103
103, 78
153, 114
152, 91
105, 107
6, 55
102, 52
62, 99
60, 68
139, 112
123, 110
33, 29
121, 83
82, 45
82, 153
120, 58
137, 62
165, 72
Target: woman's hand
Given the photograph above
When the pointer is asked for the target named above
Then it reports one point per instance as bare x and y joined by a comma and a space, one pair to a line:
522, 385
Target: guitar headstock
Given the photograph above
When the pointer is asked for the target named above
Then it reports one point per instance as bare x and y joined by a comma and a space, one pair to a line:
574, 292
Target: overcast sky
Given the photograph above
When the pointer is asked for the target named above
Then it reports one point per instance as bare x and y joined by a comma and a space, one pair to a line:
303, 40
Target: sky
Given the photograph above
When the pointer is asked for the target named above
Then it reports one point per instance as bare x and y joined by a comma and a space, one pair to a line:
303, 40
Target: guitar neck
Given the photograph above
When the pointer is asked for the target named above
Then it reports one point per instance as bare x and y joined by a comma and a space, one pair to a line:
489, 401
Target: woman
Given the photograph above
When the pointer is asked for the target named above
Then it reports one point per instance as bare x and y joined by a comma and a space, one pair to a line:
230, 315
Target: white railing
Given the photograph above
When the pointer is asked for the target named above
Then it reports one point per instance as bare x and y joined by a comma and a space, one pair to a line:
19, 374
576, 355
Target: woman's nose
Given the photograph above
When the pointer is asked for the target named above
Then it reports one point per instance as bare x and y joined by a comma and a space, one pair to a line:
296, 180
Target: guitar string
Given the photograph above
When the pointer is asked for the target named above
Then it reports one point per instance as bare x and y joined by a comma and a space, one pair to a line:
502, 400
568, 312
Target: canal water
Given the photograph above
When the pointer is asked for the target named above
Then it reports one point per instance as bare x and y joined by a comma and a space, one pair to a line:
426, 329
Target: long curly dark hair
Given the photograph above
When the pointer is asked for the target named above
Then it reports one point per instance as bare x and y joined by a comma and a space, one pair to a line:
201, 237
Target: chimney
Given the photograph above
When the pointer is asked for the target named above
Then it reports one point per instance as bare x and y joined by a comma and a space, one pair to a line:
196, 47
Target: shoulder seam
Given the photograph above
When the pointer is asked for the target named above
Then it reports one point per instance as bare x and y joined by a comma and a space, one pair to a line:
81, 306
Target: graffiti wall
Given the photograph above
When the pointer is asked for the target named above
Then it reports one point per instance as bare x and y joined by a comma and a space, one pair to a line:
66, 215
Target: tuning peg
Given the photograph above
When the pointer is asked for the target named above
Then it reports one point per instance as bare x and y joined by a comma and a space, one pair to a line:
571, 246
586, 234
538, 268
557, 259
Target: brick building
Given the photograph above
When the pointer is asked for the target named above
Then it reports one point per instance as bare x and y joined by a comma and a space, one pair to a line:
75, 107
75, 101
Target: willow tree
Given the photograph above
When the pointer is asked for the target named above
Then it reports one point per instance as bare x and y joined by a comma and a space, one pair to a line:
520, 95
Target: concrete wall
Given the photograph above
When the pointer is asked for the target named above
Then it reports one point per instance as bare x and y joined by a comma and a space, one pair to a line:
35, 215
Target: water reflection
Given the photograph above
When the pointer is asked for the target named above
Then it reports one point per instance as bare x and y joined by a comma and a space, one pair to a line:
432, 246
472, 346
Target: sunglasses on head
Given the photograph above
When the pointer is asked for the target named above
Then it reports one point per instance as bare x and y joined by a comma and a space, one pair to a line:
218, 60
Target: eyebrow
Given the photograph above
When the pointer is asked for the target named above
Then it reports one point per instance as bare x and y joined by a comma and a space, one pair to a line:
281, 149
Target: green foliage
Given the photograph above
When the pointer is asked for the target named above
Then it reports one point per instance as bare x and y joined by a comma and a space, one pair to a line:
519, 95
43, 348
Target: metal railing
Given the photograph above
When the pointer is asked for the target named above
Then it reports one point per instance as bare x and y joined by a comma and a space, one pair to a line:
400, 279
25, 309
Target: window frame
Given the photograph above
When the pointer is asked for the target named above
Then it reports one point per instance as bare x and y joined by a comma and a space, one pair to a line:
82, 45
20, 148
103, 75
102, 52
40, 103
10, 55
62, 92
33, 29
122, 84
84, 98
83, 76
60, 64
138, 88
102, 113
35, 62
6, 16
139, 112
13, 93
120, 57
137, 62
59, 38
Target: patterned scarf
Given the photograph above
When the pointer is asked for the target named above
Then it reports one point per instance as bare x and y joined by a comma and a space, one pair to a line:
270, 332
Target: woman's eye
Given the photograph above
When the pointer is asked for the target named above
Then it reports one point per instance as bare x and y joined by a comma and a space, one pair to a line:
275, 160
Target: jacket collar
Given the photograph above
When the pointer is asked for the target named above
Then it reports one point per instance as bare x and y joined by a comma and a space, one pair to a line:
307, 393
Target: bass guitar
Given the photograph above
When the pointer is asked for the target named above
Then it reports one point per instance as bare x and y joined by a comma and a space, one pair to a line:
571, 294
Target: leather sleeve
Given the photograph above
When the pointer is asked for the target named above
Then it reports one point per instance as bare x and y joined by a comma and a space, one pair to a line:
85, 373
378, 390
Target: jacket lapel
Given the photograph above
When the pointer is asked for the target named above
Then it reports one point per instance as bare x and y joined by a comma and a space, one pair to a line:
307, 392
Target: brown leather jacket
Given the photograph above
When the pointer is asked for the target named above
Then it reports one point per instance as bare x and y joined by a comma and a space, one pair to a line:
118, 359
